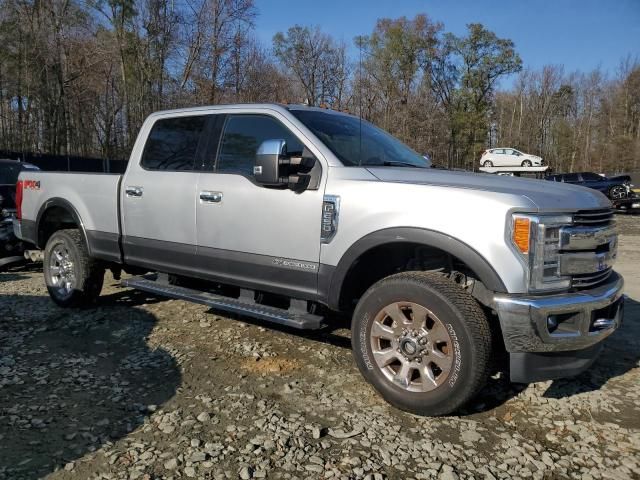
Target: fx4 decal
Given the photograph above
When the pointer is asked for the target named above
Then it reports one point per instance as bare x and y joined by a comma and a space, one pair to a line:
31, 184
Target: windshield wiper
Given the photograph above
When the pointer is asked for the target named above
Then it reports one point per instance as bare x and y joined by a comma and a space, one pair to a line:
388, 163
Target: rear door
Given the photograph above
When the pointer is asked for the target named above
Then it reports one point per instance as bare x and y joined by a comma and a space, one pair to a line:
158, 196
252, 235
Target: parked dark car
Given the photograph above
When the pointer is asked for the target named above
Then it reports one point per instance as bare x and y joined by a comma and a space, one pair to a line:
9, 171
11, 248
615, 188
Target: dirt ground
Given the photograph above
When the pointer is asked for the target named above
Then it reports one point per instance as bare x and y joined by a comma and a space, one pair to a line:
141, 387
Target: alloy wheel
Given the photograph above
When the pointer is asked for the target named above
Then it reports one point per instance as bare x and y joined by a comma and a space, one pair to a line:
411, 346
618, 192
62, 271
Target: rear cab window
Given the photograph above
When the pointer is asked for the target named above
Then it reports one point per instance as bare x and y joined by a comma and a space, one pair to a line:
173, 143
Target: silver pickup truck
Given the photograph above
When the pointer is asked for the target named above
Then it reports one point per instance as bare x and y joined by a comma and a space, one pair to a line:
287, 213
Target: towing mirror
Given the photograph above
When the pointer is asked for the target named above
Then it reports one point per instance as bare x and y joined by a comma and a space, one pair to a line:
267, 166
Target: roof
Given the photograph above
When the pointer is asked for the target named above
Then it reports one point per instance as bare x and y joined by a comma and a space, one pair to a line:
240, 106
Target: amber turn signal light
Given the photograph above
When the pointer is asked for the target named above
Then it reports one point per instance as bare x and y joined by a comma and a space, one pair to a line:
521, 234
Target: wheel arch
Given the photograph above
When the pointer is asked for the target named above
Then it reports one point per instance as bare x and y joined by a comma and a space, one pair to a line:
339, 275
54, 214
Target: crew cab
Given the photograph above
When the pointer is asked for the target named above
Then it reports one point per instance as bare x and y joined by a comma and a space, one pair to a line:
286, 213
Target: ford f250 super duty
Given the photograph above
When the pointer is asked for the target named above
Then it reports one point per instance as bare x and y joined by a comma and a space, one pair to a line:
285, 213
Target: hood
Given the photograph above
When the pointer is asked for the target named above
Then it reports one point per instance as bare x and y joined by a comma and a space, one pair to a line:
621, 178
544, 194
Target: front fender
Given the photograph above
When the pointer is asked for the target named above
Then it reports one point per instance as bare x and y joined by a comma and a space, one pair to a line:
332, 278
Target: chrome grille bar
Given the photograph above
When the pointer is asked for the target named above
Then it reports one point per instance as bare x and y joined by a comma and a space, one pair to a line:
589, 280
587, 238
593, 217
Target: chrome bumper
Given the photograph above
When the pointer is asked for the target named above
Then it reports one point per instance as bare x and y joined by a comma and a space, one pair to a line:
583, 318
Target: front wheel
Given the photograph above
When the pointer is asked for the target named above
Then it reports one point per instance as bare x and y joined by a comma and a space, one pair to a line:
617, 192
72, 277
527, 163
488, 163
422, 342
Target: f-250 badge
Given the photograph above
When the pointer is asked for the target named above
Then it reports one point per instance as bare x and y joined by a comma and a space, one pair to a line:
283, 262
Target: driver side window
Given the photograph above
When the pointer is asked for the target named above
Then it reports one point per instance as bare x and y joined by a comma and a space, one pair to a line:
241, 138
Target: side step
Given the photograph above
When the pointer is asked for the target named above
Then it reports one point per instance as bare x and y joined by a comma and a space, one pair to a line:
295, 317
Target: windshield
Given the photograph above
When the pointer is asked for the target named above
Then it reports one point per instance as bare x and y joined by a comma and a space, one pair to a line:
357, 142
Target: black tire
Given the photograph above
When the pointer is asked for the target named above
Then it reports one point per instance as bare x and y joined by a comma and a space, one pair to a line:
88, 273
463, 319
487, 163
527, 163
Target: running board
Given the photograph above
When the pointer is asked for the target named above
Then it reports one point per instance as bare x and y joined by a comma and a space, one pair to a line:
294, 317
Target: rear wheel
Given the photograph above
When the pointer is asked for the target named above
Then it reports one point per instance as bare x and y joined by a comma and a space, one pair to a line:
72, 277
422, 342
527, 163
487, 163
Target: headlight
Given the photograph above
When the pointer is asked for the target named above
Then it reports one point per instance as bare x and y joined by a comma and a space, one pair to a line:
536, 238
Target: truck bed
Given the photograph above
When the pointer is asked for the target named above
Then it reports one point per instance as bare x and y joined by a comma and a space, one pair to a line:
93, 197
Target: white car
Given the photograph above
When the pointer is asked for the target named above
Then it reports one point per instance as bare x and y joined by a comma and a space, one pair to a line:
509, 157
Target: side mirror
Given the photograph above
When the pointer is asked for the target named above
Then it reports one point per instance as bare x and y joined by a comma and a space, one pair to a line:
274, 167
267, 166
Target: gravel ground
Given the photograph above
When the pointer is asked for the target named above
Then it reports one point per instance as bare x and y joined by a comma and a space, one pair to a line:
142, 388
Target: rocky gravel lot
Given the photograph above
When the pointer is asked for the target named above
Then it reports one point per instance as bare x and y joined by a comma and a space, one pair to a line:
145, 388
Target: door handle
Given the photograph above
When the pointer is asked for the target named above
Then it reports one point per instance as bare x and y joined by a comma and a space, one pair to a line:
133, 191
211, 197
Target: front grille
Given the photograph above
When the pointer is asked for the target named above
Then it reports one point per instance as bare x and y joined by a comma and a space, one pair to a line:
591, 237
585, 280
593, 218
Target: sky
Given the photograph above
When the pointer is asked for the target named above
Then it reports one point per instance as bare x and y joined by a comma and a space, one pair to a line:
579, 34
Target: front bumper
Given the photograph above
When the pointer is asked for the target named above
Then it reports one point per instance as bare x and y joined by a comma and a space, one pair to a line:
584, 318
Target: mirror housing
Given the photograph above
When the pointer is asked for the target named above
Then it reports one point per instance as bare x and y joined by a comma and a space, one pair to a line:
266, 169
273, 167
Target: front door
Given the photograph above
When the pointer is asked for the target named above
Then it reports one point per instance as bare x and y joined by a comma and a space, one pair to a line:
158, 197
248, 234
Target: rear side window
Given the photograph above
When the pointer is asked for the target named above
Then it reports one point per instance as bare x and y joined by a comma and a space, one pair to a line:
242, 136
173, 143
571, 177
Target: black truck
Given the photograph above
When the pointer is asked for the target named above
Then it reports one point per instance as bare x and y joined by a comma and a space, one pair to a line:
11, 248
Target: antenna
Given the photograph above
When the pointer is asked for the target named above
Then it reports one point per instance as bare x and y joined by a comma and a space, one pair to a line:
360, 99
